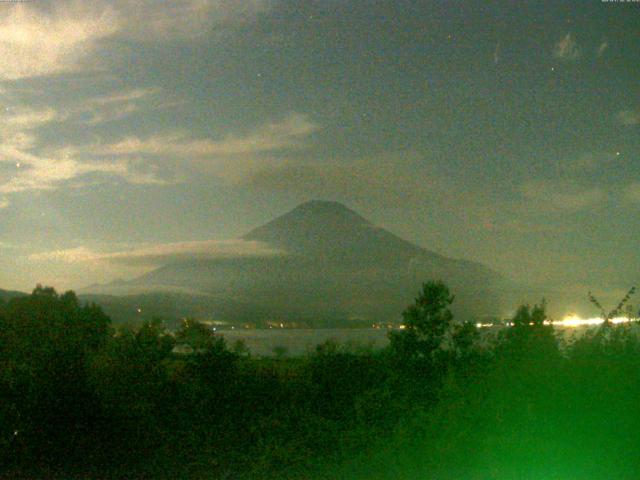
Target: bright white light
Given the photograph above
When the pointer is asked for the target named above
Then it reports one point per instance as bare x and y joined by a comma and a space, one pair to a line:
575, 321
568, 321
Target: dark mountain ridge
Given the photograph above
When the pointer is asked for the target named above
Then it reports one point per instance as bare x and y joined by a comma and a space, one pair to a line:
7, 295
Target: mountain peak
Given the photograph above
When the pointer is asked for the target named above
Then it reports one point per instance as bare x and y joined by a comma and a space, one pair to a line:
330, 230
326, 208
318, 204
309, 220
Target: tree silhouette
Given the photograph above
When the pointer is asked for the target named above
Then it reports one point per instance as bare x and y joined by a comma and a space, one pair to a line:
530, 336
427, 323
617, 311
45, 341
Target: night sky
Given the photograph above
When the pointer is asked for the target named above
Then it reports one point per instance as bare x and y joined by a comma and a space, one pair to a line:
502, 132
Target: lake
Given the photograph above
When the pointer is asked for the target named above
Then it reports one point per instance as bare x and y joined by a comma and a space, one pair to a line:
262, 342
300, 341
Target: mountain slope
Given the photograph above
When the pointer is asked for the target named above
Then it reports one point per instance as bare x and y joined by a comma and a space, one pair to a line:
7, 295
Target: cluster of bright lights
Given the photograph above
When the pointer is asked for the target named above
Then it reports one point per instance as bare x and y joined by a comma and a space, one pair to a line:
570, 321
575, 321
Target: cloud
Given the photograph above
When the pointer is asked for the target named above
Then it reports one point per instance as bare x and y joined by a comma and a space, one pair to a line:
388, 178
89, 111
72, 36
628, 117
17, 125
115, 106
123, 97
161, 254
632, 192
149, 20
521, 226
285, 134
602, 48
561, 196
25, 165
28, 165
70, 255
569, 184
36, 43
28, 118
567, 48
42, 39
35, 172
587, 163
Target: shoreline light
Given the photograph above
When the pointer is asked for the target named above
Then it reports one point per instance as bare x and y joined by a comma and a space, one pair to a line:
575, 321
571, 321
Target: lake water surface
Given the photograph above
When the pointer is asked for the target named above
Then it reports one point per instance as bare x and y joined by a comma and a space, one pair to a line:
300, 341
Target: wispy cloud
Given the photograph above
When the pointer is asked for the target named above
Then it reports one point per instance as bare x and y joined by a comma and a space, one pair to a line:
69, 255
146, 20
160, 254
587, 162
385, 179
38, 39
17, 125
111, 106
157, 159
40, 172
561, 196
115, 106
632, 192
628, 117
27, 118
567, 48
124, 96
30, 172
521, 226
288, 133
30, 166
602, 48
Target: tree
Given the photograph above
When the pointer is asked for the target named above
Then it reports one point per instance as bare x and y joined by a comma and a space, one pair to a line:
280, 351
427, 324
608, 316
153, 341
464, 337
45, 341
606, 338
196, 334
212, 361
530, 335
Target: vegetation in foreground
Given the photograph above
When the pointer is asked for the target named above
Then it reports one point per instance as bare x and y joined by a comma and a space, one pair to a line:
80, 400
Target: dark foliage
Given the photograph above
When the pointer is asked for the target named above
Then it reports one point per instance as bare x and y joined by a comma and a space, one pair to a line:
79, 400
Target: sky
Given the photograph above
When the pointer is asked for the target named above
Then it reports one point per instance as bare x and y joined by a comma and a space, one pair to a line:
502, 132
